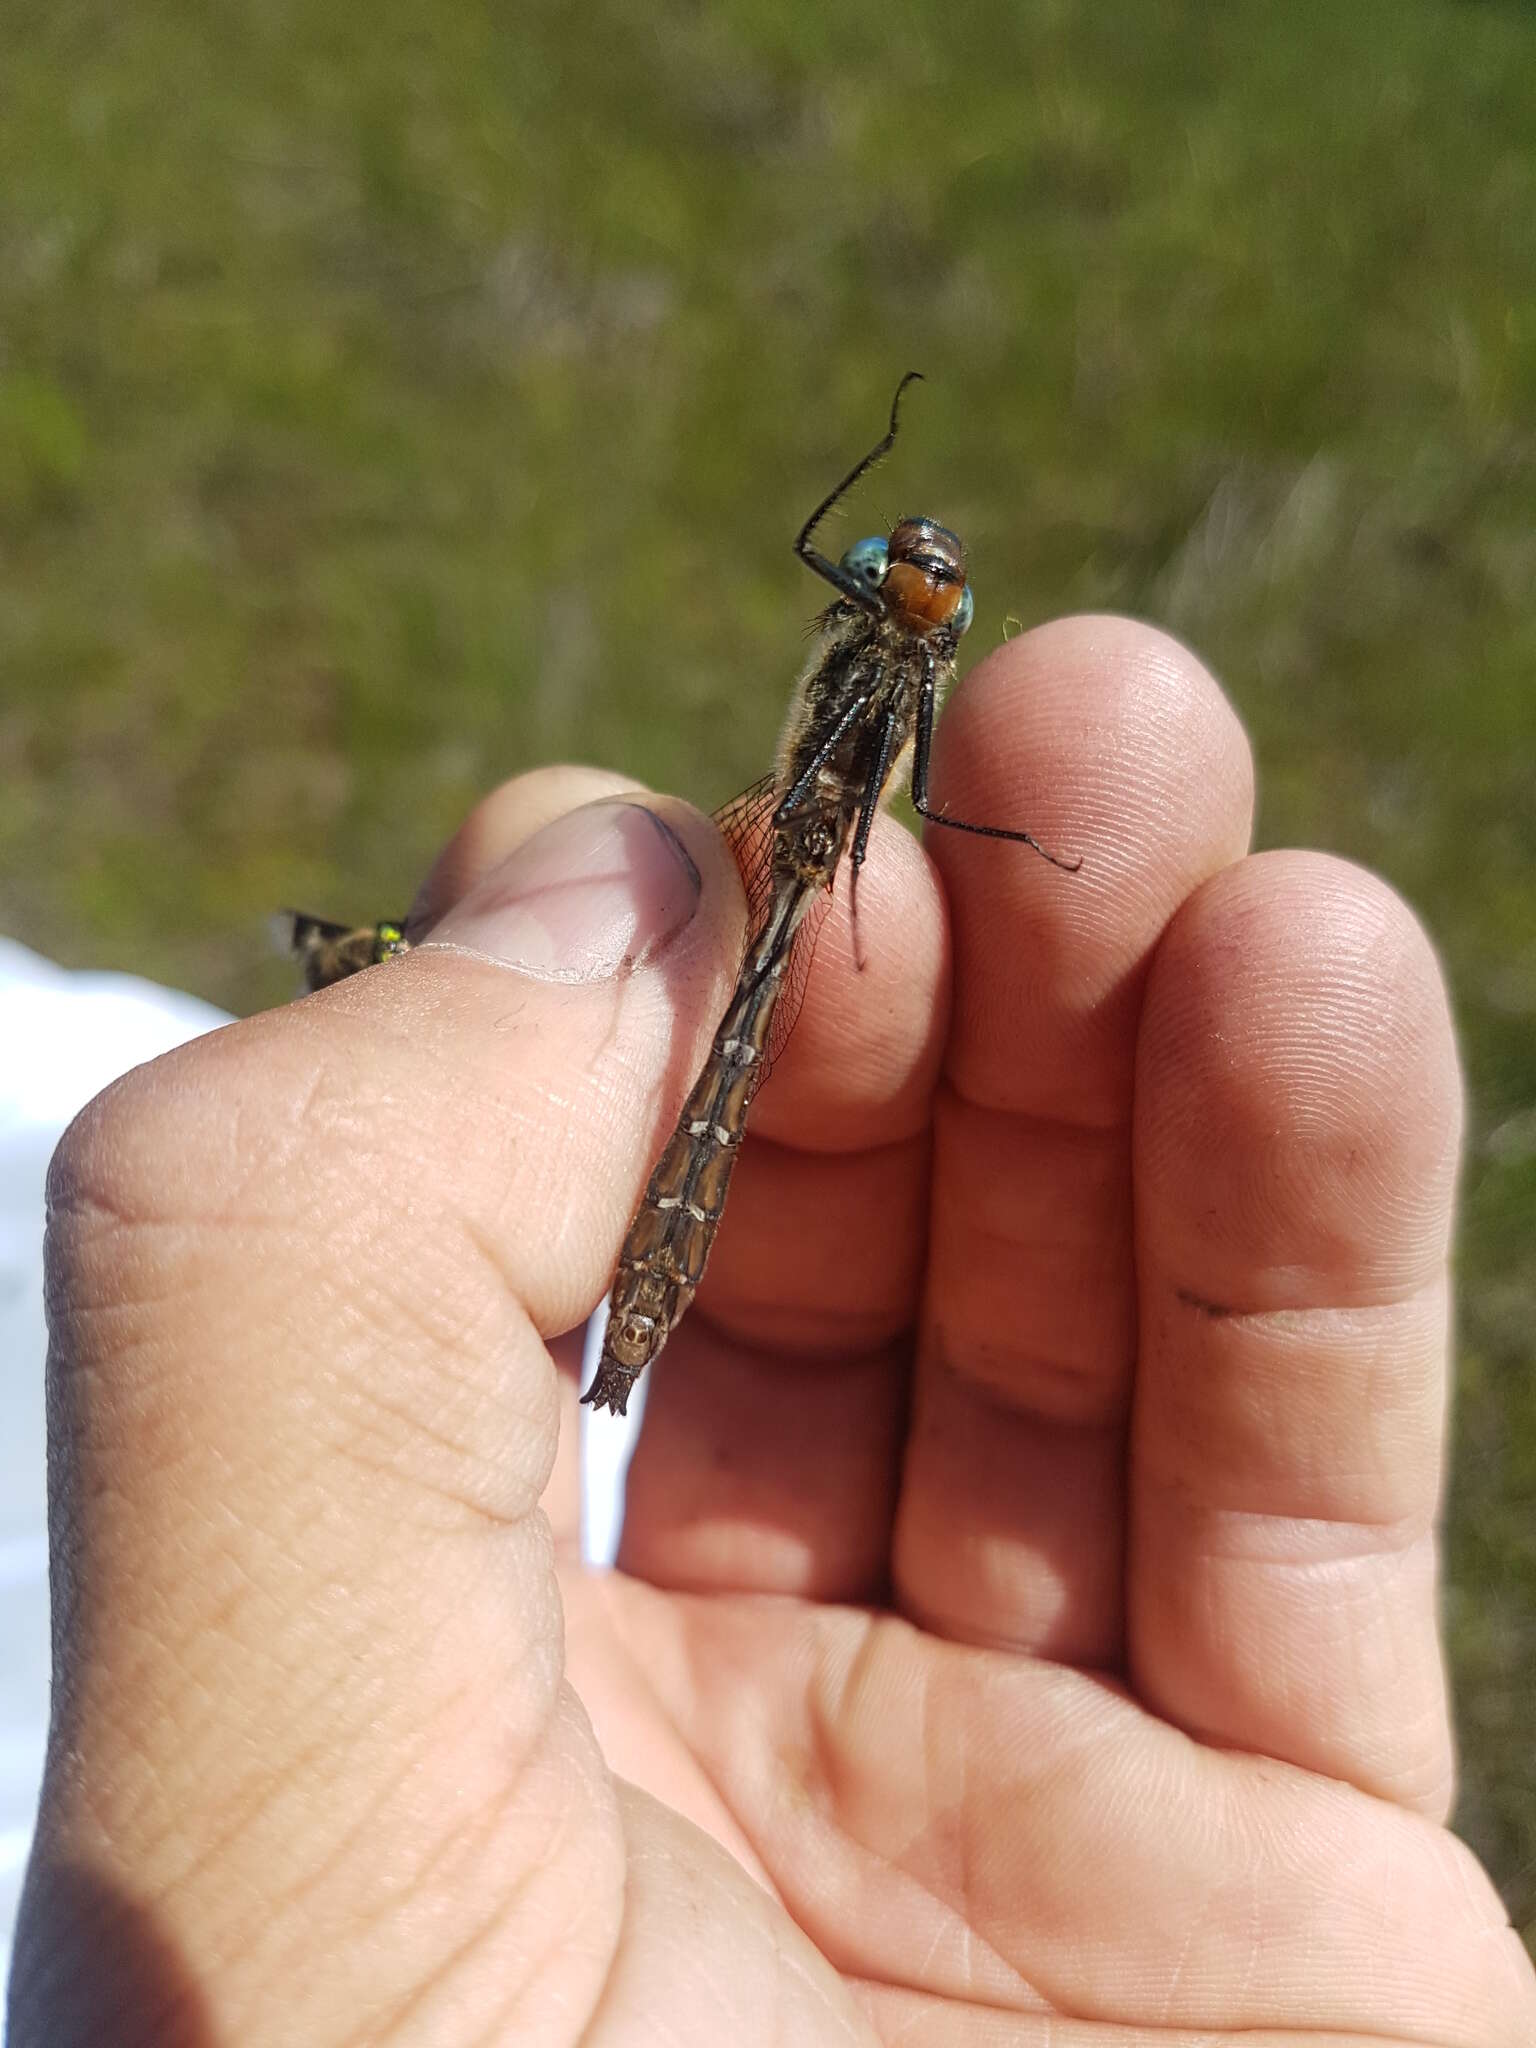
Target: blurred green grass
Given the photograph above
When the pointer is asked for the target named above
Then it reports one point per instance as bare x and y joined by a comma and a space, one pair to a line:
391, 399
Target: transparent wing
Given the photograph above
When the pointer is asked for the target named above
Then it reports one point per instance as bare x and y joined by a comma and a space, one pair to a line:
747, 822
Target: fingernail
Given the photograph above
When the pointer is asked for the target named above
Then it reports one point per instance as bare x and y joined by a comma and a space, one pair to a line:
592, 895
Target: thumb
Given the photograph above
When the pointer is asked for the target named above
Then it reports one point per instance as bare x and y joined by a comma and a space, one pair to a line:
309, 1699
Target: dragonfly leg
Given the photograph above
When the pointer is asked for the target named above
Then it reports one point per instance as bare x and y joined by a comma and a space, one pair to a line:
794, 797
921, 748
841, 579
869, 803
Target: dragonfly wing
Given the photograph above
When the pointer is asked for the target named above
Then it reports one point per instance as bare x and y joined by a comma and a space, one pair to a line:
747, 823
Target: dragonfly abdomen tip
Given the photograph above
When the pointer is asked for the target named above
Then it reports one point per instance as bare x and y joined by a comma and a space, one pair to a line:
609, 1389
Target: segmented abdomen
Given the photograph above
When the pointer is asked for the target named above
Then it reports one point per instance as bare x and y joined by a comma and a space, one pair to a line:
663, 1256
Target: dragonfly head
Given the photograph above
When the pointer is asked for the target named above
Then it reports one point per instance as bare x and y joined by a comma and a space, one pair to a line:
920, 573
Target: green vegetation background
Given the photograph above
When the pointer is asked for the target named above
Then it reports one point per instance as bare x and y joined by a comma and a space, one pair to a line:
392, 397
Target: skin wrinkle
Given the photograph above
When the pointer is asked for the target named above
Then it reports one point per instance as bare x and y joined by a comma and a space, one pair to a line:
680, 1885
264, 1159
965, 1910
1371, 1760
259, 1793
132, 1295
478, 1936
951, 1925
1002, 1206
1017, 1390
998, 1244
367, 1400
301, 1705
406, 1770
492, 1252
885, 1147
408, 1307
258, 1157
1397, 1540
398, 1422
608, 1104
943, 1629
238, 1821
640, 1679
1056, 2030
1367, 1298
462, 1351
1058, 1388
1299, 1324
855, 1677
851, 1279
1037, 1120
853, 1340
1291, 1353
455, 1846
236, 1603
83, 1205
779, 1355
285, 1676
463, 1506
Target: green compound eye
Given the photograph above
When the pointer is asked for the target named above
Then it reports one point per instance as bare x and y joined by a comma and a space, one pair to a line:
965, 611
868, 560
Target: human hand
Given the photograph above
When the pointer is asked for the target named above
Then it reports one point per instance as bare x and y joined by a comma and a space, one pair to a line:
1025, 1629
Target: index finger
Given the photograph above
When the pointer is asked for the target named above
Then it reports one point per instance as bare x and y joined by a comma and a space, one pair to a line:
1108, 740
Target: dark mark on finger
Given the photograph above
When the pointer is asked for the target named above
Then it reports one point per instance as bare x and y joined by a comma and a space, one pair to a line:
1216, 1310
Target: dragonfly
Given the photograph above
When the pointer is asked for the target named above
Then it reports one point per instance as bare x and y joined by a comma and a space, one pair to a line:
860, 723
329, 952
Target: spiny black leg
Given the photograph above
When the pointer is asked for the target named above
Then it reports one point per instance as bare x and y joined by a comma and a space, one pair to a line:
800, 788
848, 585
922, 745
1069, 867
869, 803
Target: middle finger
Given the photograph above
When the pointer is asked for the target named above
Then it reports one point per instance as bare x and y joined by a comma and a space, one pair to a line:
1106, 739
